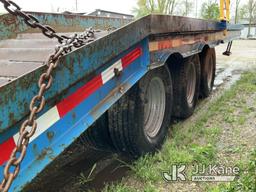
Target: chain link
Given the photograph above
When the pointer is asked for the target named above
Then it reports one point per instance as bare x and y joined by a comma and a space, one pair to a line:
37, 104
31, 21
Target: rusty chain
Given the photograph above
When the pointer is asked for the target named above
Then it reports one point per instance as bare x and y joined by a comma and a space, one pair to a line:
31, 21
29, 126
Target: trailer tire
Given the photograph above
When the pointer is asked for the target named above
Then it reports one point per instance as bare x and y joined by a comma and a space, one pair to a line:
208, 69
97, 135
186, 86
130, 119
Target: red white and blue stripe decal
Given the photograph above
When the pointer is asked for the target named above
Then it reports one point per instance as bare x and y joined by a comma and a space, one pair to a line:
57, 112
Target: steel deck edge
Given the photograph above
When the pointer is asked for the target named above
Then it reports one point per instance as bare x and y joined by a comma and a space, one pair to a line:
75, 66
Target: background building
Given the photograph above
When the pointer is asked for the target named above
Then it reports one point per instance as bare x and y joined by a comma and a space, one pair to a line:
104, 13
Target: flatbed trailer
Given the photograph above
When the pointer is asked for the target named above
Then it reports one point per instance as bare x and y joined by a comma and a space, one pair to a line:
127, 83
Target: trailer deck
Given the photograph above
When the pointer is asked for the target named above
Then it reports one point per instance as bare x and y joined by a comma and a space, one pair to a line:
85, 85
183, 32
26, 53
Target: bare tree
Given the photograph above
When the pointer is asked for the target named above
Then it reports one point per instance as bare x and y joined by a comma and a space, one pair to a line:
248, 12
145, 7
187, 6
196, 7
170, 6
237, 10
251, 9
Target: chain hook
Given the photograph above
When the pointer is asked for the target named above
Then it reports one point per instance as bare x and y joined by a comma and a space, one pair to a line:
37, 103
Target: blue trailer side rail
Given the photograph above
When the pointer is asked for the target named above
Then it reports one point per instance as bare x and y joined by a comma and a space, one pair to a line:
86, 85
10, 25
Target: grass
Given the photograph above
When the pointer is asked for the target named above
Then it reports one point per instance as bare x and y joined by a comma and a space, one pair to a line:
197, 143
82, 179
246, 181
118, 188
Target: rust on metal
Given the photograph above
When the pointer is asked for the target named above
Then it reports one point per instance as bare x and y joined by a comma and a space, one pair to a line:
116, 92
46, 152
50, 135
62, 23
37, 103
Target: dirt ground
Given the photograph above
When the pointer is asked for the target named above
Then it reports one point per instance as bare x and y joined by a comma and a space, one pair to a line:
243, 58
73, 175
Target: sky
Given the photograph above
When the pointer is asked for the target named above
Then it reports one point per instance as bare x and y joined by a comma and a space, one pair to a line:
123, 6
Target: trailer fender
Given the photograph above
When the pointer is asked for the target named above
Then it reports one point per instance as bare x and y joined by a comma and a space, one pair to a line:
160, 58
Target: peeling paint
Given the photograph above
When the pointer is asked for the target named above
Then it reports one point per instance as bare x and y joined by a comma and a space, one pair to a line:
46, 152
50, 135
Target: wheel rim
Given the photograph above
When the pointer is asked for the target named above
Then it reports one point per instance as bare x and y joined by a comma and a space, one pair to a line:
191, 83
154, 109
210, 73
